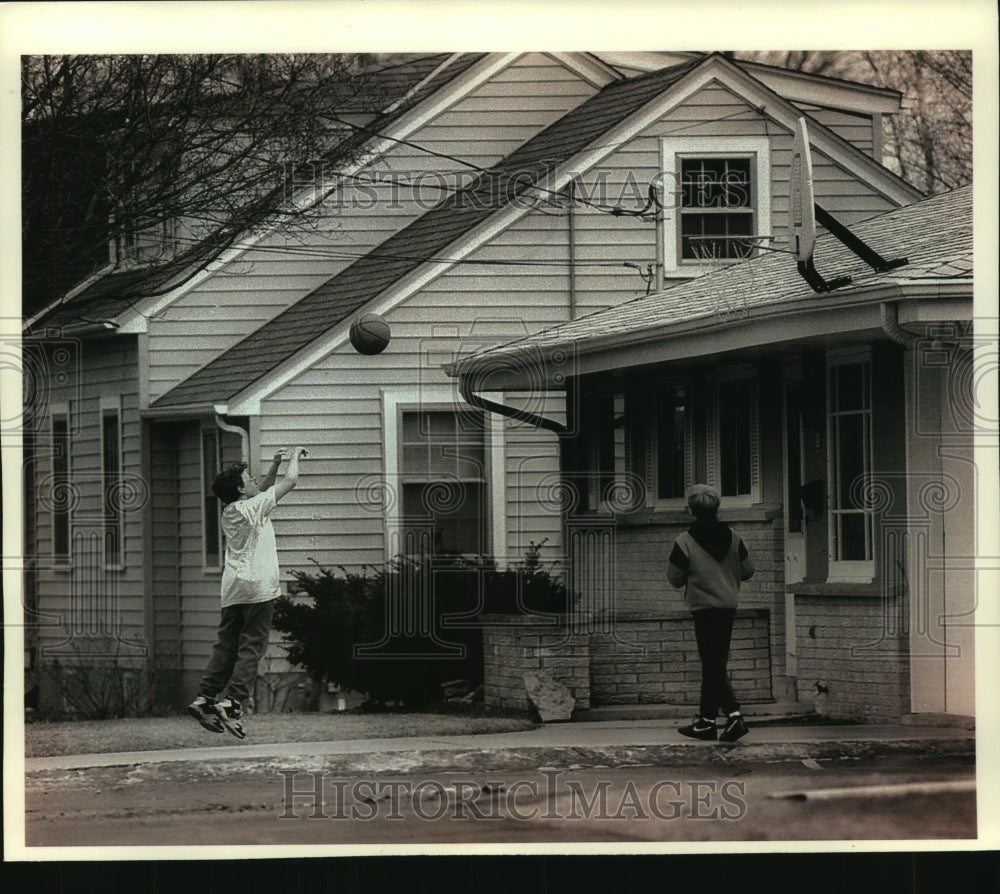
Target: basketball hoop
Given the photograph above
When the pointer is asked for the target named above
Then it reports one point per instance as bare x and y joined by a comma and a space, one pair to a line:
706, 248
804, 214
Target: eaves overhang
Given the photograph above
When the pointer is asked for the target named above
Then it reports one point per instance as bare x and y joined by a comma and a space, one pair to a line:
186, 411
546, 362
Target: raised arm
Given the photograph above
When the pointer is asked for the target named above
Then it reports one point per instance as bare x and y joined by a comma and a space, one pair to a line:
291, 477
272, 473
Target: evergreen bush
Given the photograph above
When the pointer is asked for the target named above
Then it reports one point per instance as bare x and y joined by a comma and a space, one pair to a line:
399, 633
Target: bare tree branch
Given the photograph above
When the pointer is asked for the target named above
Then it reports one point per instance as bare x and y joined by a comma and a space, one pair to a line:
114, 147
929, 141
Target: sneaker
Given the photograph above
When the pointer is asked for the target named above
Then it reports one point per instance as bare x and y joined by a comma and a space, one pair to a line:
700, 729
202, 709
735, 729
229, 713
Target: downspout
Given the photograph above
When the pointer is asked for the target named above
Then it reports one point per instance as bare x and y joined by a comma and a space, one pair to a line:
236, 430
571, 234
889, 318
491, 406
659, 236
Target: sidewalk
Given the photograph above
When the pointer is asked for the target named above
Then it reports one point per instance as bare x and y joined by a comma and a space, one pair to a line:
589, 743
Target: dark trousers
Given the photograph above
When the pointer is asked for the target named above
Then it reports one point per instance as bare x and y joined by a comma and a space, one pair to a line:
713, 630
243, 634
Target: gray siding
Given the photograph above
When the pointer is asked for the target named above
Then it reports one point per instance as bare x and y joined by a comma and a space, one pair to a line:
481, 129
855, 128
523, 281
86, 604
605, 242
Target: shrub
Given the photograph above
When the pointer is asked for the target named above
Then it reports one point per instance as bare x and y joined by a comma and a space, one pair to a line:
105, 678
321, 633
341, 631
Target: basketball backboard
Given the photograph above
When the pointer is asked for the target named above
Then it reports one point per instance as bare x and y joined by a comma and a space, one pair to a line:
802, 201
804, 214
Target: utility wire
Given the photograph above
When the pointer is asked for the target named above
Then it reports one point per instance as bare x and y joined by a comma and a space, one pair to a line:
499, 173
614, 210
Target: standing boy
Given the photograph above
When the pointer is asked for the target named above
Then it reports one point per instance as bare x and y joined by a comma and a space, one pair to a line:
710, 560
250, 584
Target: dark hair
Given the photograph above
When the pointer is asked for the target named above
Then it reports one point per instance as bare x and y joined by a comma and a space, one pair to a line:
228, 484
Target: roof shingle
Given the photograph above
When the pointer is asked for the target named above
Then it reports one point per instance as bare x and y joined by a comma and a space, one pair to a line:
934, 235
336, 300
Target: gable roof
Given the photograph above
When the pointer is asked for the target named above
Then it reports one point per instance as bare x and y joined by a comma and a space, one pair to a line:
340, 297
401, 86
332, 303
934, 235
798, 86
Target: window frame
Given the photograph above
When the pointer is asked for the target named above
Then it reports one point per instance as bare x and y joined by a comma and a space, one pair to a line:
848, 570
713, 431
395, 402
207, 497
662, 386
702, 449
61, 478
110, 407
675, 149
608, 453
426, 476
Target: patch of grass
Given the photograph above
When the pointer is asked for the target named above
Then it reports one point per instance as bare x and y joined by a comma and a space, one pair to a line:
49, 739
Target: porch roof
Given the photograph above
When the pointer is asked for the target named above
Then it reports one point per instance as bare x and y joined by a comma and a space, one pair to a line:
934, 235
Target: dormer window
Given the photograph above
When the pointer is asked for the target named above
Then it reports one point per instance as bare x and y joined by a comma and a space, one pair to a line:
150, 246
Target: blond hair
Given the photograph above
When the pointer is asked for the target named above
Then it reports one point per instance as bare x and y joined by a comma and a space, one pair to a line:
703, 500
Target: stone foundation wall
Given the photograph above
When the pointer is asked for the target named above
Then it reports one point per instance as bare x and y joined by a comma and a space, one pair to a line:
635, 659
847, 645
514, 646
650, 660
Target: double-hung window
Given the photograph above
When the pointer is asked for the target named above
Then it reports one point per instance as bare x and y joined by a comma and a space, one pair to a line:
673, 454
849, 434
720, 203
735, 437
716, 208
111, 485
61, 487
443, 482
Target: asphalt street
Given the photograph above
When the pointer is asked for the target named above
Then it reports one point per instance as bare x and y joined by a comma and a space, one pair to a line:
637, 783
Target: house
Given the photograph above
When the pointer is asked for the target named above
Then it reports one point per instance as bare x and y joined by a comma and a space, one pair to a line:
498, 195
839, 428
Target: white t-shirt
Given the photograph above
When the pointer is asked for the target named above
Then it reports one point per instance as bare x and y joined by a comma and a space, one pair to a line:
251, 571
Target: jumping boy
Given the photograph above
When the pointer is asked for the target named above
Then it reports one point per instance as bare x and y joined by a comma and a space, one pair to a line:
709, 560
250, 584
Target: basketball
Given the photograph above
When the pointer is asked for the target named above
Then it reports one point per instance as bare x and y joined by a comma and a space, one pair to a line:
370, 334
